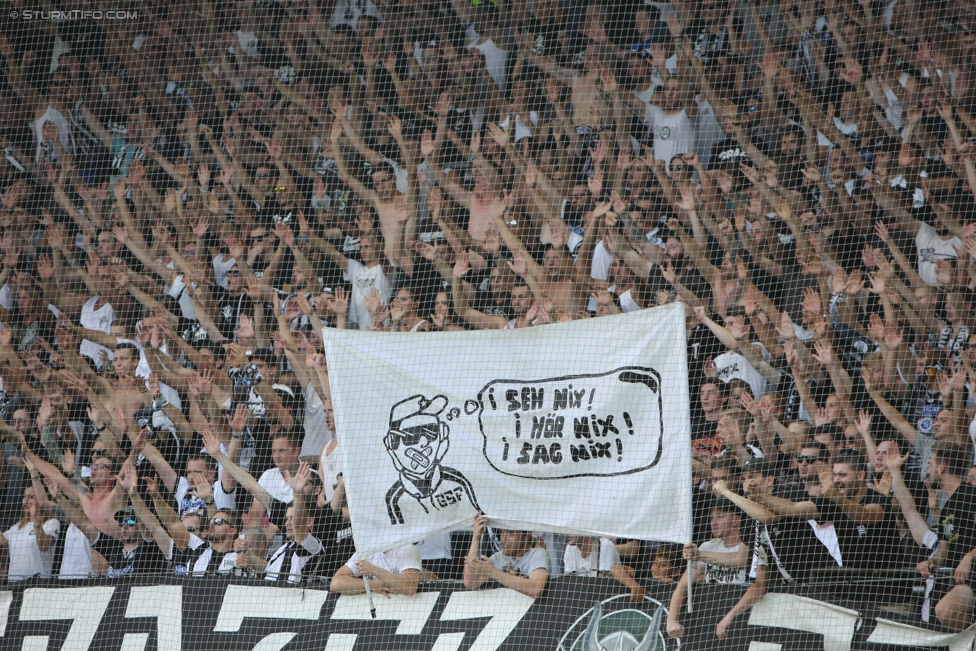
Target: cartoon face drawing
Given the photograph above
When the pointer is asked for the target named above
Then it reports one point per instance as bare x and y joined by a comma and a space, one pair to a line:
417, 441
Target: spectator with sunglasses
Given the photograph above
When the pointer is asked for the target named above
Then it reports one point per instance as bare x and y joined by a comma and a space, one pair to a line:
193, 550
806, 462
272, 493
131, 553
231, 302
791, 544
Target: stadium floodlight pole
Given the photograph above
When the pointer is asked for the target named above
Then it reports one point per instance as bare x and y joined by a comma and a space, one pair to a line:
369, 597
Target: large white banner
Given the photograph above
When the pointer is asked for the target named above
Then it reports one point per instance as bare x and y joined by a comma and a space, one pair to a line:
579, 427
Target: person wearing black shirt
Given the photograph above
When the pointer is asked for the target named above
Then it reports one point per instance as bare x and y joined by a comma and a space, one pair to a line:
708, 32
790, 544
212, 552
131, 553
712, 397
956, 535
23, 423
334, 530
494, 301
864, 523
231, 303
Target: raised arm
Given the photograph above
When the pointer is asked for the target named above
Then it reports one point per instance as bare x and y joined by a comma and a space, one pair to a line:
130, 482
349, 179
893, 415
921, 534
243, 477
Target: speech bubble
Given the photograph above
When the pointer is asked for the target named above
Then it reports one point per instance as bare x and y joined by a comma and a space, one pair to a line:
587, 425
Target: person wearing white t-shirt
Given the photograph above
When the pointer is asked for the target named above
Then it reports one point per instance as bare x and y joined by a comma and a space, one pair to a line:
203, 468
372, 273
640, 71
671, 121
29, 544
395, 571
518, 565
745, 359
81, 534
724, 560
578, 560
285, 450
934, 244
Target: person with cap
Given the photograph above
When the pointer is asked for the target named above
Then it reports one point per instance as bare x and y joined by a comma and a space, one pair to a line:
190, 554
417, 442
789, 543
517, 565
132, 553
724, 560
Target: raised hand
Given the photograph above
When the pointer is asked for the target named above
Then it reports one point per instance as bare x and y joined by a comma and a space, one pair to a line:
785, 327
300, 479
443, 106
374, 301
517, 265
838, 280
426, 144
599, 154
824, 354
667, 272
202, 487
753, 406
211, 442
238, 422
595, 182
461, 265
811, 300
128, 478
338, 303
498, 134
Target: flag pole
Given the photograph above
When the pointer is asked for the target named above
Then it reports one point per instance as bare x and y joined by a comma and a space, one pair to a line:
369, 597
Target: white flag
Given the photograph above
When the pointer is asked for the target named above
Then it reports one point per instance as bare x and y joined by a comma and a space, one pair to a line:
579, 427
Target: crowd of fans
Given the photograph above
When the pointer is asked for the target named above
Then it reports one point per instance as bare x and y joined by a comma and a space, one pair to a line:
191, 195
